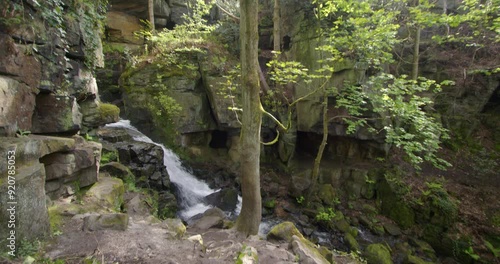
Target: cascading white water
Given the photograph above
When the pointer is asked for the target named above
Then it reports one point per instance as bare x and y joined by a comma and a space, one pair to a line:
191, 190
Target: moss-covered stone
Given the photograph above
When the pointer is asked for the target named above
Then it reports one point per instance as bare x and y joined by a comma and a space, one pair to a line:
284, 232
378, 254
393, 205
410, 259
109, 113
107, 193
351, 242
307, 251
327, 194
174, 226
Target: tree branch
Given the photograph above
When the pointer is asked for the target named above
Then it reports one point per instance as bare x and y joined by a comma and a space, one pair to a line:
233, 17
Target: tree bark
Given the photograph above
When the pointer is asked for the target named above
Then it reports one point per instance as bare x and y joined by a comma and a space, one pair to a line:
416, 54
251, 211
276, 26
151, 13
322, 146
416, 49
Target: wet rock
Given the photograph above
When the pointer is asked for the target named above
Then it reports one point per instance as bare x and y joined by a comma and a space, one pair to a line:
114, 221
225, 199
378, 254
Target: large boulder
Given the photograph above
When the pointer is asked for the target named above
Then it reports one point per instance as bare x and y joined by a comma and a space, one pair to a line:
107, 193
284, 232
307, 251
225, 199
378, 254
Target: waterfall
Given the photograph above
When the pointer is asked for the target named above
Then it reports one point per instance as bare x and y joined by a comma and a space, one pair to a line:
191, 190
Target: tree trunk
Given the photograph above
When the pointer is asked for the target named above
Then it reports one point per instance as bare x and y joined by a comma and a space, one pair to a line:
276, 26
416, 54
251, 211
322, 146
416, 49
151, 13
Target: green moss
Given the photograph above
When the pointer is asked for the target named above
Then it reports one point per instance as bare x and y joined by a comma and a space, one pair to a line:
109, 112
55, 219
351, 242
270, 204
393, 205
378, 254
284, 231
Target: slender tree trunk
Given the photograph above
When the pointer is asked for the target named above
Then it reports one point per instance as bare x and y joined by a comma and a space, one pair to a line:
321, 150
416, 49
416, 54
251, 211
276, 26
151, 13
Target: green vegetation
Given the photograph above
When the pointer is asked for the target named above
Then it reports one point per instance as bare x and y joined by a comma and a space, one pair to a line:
109, 156
326, 214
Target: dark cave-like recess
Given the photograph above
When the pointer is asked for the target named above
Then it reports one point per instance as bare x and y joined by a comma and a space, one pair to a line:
219, 139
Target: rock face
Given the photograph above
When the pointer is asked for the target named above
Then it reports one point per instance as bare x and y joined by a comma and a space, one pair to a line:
168, 13
18, 104
42, 165
45, 71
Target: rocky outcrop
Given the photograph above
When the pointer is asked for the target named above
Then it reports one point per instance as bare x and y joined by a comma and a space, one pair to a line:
168, 13
41, 165
46, 68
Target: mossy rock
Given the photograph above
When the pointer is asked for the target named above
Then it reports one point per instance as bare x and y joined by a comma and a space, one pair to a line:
307, 251
378, 254
327, 194
410, 259
284, 232
174, 226
109, 113
107, 193
351, 242
393, 206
